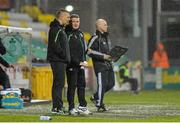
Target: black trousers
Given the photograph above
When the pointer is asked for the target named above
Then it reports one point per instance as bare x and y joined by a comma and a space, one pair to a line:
58, 69
76, 79
105, 82
4, 79
133, 82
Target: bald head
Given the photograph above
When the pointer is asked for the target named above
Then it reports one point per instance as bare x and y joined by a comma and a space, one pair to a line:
101, 25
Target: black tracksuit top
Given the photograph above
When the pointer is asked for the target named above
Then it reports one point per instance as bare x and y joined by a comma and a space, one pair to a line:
77, 47
100, 44
58, 48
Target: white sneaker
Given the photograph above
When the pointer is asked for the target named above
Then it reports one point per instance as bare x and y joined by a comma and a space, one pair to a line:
73, 112
83, 110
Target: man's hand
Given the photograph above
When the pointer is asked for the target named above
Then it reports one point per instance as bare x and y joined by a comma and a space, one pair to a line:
107, 57
89, 51
1, 87
84, 64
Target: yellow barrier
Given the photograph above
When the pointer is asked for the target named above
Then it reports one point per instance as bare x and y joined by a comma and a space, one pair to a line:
41, 82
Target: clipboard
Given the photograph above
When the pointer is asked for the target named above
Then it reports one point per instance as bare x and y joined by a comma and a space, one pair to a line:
116, 52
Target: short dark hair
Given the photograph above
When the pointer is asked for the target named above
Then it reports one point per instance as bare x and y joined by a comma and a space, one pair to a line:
74, 16
59, 12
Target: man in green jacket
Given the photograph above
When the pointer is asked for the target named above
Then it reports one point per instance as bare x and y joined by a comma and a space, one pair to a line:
125, 77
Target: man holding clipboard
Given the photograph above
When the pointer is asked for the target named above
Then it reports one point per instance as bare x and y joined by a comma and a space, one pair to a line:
99, 51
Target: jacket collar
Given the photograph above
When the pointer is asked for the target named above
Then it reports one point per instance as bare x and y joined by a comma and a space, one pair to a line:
55, 23
100, 33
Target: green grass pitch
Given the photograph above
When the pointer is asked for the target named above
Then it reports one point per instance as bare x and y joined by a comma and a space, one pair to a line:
161, 106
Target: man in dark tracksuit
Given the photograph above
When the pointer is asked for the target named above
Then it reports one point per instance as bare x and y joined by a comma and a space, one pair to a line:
4, 79
58, 55
75, 69
99, 46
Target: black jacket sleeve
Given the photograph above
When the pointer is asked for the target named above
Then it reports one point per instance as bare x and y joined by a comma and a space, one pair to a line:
4, 62
2, 52
55, 35
65, 51
95, 50
2, 48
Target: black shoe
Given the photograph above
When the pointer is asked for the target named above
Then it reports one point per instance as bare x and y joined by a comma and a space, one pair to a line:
93, 100
135, 92
57, 111
102, 108
54, 111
